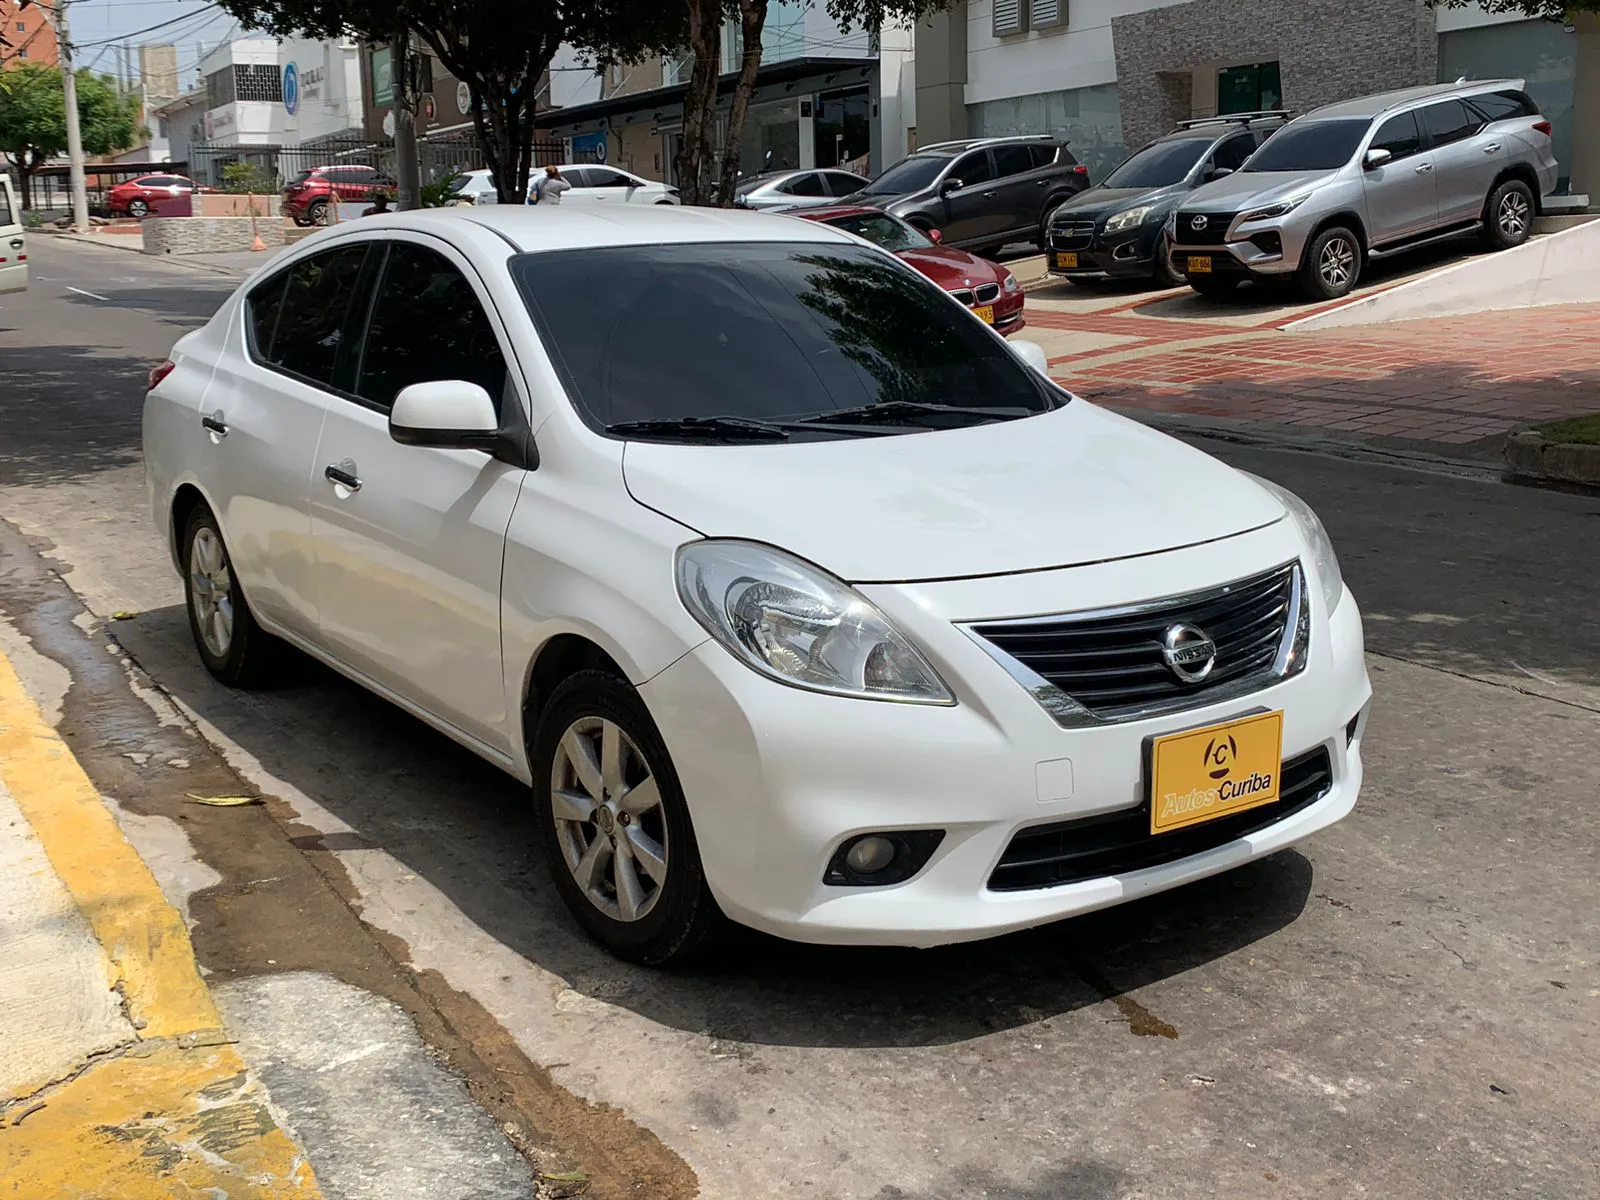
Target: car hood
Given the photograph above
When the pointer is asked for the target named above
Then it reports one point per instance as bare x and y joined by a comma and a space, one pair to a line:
1251, 189
951, 268
1077, 485
1101, 201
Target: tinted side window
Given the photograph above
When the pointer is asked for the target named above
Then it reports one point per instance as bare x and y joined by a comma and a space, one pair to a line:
1398, 135
1012, 160
1502, 106
600, 177
1044, 156
841, 184
576, 176
808, 184
1449, 122
1231, 154
316, 303
427, 325
973, 168
263, 306
6, 217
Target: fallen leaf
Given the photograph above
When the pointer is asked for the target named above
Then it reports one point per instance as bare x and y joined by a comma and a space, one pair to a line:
123, 615
223, 801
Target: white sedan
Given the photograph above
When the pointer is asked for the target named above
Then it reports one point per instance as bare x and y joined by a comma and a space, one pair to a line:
591, 183
796, 595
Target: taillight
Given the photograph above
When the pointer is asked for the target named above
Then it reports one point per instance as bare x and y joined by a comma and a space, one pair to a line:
1080, 169
1544, 127
158, 373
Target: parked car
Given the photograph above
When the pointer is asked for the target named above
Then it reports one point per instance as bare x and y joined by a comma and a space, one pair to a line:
311, 197
981, 192
13, 241
1116, 228
793, 594
1366, 179
987, 288
796, 189
139, 197
590, 182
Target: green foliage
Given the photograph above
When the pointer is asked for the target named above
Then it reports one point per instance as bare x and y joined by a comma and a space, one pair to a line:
1550, 10
247, 179
435, 194
33, 117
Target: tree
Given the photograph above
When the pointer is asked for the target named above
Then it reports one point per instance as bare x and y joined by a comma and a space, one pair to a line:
499, 48
1550, 10
699, 174
33, 118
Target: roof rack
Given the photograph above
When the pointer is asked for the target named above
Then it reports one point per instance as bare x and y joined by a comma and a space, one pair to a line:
989, 140
1243, 118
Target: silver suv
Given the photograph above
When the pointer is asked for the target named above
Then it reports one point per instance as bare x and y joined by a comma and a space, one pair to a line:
1366, 179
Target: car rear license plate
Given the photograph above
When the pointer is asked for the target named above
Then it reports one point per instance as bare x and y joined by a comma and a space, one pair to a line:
1199, 264
1066, 262
985, 313
1202, 774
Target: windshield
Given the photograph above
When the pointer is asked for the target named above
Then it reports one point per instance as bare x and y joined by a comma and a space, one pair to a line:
300, 178
764, 331
1159, 165
1312, 146
908, 175
893, 234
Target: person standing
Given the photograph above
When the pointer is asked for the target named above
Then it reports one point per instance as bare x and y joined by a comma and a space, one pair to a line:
548, 187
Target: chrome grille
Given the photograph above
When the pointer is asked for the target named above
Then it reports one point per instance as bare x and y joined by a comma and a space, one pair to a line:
1204, 229
1108, 665
1072, 237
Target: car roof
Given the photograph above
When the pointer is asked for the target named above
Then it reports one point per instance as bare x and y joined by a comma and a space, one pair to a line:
1382, 102
572, 227
977, 143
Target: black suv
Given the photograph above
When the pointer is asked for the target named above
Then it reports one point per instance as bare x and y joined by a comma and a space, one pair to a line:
1116, 228
980, 193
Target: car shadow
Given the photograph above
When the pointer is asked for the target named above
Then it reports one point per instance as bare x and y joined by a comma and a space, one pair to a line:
467, 829
55, 424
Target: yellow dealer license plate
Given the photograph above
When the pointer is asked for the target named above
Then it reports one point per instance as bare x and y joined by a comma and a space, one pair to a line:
1066, 262
1199, 264
1202, 774
985, 313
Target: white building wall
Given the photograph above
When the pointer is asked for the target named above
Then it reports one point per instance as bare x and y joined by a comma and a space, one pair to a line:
329, 75
897, 92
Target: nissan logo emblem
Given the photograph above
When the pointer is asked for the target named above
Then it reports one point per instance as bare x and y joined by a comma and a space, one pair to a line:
1198, 223
1188, 652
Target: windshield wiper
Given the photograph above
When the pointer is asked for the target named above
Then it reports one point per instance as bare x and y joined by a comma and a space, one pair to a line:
916, 412
732, 428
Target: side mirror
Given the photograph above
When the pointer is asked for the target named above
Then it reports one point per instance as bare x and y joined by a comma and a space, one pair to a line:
935, 236
950, 185
1217, 173
1033, 354
450, 413
1376, 159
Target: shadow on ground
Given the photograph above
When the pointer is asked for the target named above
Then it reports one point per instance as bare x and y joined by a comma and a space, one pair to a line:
68, 411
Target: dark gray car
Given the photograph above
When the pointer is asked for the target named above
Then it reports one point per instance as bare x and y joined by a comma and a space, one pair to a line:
980, 193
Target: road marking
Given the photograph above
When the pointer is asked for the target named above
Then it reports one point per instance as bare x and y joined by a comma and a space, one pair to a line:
91, 295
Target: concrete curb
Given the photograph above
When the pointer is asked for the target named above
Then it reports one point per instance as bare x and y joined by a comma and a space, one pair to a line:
1529, 457
169, 259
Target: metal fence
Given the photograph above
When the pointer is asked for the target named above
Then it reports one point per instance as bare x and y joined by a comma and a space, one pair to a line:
270, 167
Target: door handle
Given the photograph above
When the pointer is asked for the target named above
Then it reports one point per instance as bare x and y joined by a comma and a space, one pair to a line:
1040, 182
215, 424
1424, 168
343, 474
1492, 148
988, 195
16, 243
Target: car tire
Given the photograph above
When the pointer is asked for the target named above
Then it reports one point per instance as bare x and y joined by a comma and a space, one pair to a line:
1165, 275
1508, 215
319, 213
138, 207
649, 904
1223, 285
1332, 264
236, 650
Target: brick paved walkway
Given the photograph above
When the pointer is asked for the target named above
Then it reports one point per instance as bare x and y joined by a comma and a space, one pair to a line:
1455, 385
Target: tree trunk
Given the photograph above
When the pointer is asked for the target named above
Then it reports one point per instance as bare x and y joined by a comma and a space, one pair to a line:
752, 19
696, 157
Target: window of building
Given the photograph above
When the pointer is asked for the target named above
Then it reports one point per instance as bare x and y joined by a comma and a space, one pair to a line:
1257, 87
1010, 16
1090, 118
259, 82
22, 52
1047, 14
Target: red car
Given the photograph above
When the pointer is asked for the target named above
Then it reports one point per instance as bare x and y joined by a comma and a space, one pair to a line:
308, 196
138, 197
987, 288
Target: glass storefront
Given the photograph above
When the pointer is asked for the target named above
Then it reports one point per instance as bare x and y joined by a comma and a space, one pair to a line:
1090, 119
773, 127
1542, 52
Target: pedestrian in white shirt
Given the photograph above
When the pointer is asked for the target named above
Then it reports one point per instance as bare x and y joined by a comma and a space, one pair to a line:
549, 186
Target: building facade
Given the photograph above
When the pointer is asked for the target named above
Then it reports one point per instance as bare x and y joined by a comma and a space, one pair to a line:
32, 37
1109, 75
264, 92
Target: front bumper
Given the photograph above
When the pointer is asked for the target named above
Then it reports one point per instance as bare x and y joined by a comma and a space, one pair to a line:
1264, 248
777, 778
1081, 249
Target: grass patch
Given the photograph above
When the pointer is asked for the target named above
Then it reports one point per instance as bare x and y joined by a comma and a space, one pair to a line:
1581, 430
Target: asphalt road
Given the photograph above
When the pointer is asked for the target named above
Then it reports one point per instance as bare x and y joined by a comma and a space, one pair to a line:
1405, 1006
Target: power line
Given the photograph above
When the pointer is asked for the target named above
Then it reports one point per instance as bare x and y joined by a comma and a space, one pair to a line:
133, 33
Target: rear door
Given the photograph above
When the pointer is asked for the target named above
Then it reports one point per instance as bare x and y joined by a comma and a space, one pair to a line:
1465, 163
582, 190
13, 241
1402, 194
609, 186
972, 214
1021, 187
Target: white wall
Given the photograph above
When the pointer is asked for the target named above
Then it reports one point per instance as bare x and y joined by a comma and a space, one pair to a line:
573, 83
330, 91
897, 92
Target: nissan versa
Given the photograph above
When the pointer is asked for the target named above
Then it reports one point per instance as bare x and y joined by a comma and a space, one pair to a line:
796, 594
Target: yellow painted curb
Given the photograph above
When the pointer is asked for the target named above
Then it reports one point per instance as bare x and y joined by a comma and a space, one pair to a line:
176, 1113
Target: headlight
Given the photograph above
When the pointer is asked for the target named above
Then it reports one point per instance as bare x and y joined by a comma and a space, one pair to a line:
799, 625
1324, 563
1128, 218
1282, 209
1012, 287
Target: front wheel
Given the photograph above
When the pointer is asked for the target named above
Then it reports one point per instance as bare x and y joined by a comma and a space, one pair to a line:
1164, 274
615, 826
1508, 215
232, 646
1332, 264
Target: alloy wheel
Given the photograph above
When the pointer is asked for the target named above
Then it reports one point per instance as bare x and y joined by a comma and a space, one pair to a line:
211, 590
1513, 216
608, 818
1338, 262
138, 208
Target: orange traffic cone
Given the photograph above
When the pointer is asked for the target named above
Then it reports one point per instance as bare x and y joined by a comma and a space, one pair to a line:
256, 244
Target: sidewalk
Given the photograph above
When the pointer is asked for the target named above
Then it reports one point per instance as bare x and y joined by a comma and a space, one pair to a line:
118, 1078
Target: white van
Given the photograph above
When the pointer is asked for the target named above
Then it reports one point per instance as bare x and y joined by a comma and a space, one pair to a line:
13, 241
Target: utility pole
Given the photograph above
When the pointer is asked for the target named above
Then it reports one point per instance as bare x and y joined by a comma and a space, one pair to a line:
405, 126
69, 95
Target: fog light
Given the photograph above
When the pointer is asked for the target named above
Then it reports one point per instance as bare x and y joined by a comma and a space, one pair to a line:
870, 855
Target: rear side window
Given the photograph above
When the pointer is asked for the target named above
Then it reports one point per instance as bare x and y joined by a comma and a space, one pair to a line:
578, 177
298, 320
1450, 121
1012, 160
1398, 135
7, 217
427, 325
1503, 106
803, 185
840, 184
1044, 156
